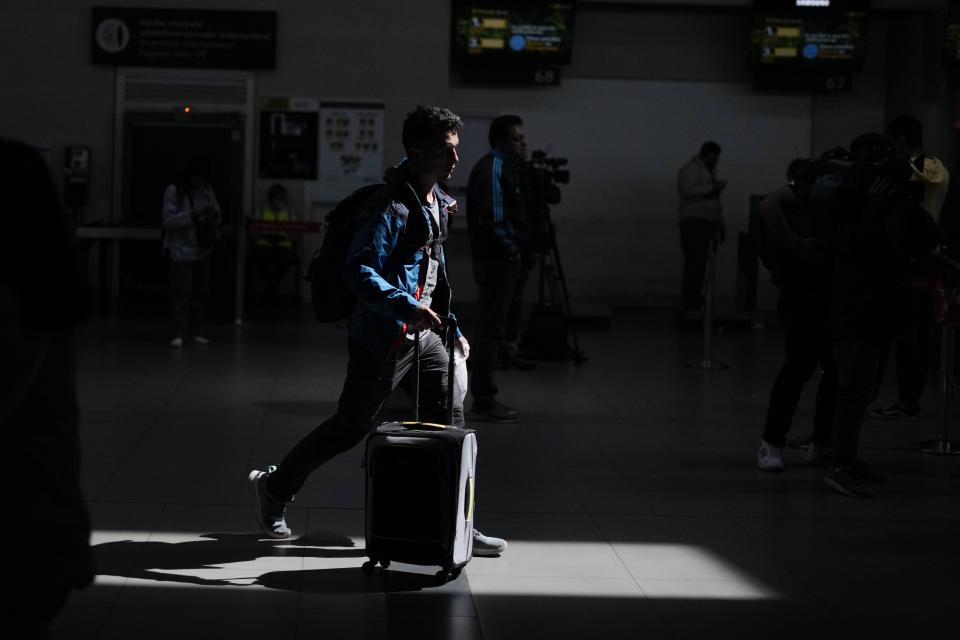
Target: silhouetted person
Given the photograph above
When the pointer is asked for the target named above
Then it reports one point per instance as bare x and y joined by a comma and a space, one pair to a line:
396, 268
495, 213
701, 220
880, 226
191, 218
915, 303
801, 268
273, 253
46, 532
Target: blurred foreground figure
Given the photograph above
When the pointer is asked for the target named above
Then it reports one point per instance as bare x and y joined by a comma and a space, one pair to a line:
46, 532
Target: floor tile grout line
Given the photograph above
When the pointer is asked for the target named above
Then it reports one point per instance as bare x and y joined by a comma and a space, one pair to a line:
124, 459
623, 563
476, 604
557, 468
259, 436
126, 579
810, 592
832, 518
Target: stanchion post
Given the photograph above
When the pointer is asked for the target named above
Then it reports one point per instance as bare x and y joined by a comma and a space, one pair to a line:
240, 280
942, 445
710, 281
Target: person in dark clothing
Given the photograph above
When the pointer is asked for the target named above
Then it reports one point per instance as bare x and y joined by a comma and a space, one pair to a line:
190, 215
42, 297
800, 267
701, 220
911, 339
495, 219
273, 254
879, 227
396, 268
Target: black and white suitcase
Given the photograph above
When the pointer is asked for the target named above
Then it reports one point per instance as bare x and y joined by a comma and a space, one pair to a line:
420, 492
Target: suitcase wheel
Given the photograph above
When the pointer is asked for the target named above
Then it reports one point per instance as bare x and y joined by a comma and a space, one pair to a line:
446, 574
369, 566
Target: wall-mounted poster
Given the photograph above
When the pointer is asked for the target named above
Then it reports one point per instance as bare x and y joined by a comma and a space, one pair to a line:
351, 147
288, 138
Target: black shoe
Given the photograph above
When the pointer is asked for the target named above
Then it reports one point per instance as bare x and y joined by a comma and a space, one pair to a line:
492, 410
896, 411
844, 480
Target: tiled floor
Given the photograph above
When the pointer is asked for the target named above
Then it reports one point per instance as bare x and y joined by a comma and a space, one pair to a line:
629, 495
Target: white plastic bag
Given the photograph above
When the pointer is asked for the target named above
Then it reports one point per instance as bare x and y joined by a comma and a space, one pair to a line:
459, 377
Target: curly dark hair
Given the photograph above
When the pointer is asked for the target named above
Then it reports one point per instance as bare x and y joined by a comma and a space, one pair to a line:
425, 126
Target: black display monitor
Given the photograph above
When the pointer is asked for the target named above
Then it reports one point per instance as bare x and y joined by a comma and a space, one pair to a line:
808, 45
951, 46
491, 38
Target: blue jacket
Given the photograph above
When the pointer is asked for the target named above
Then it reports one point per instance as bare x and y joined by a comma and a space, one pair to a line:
384, 260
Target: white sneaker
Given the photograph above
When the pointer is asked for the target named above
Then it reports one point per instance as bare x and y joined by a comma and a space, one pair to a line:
201, 340
270, 512
176, 343
769, 457
818, 455
487, 546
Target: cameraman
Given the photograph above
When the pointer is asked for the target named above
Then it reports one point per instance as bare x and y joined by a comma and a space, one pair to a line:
879, 226
915, 308
495, 220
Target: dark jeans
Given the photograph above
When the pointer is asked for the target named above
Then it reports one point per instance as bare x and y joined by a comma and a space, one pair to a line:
496, 280
912, 342
807, 343
695, 238
514, 314
370, 381
858, 377
189, 290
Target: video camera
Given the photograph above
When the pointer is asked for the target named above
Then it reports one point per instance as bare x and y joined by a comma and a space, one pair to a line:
871, 171
539, 161
543, 174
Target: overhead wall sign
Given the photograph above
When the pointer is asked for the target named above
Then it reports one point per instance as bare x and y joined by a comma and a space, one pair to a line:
184, 38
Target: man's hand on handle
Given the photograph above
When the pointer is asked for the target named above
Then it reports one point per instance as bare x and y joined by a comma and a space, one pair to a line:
424, 318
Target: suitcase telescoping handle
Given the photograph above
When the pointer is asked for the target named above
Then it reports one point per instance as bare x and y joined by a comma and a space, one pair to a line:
450, 339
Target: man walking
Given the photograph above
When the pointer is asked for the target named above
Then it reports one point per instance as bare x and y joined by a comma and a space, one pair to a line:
396, 268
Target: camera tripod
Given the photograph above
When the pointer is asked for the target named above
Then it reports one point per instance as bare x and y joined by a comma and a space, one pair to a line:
553, 292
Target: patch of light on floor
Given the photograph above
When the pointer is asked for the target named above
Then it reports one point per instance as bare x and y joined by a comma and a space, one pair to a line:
661, 571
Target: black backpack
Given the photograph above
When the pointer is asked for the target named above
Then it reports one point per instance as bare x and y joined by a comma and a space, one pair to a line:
330, 298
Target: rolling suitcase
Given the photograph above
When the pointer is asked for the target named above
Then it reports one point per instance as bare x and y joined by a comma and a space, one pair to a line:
420, 489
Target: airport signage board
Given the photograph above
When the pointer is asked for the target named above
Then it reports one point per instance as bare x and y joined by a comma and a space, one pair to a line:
192, 38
